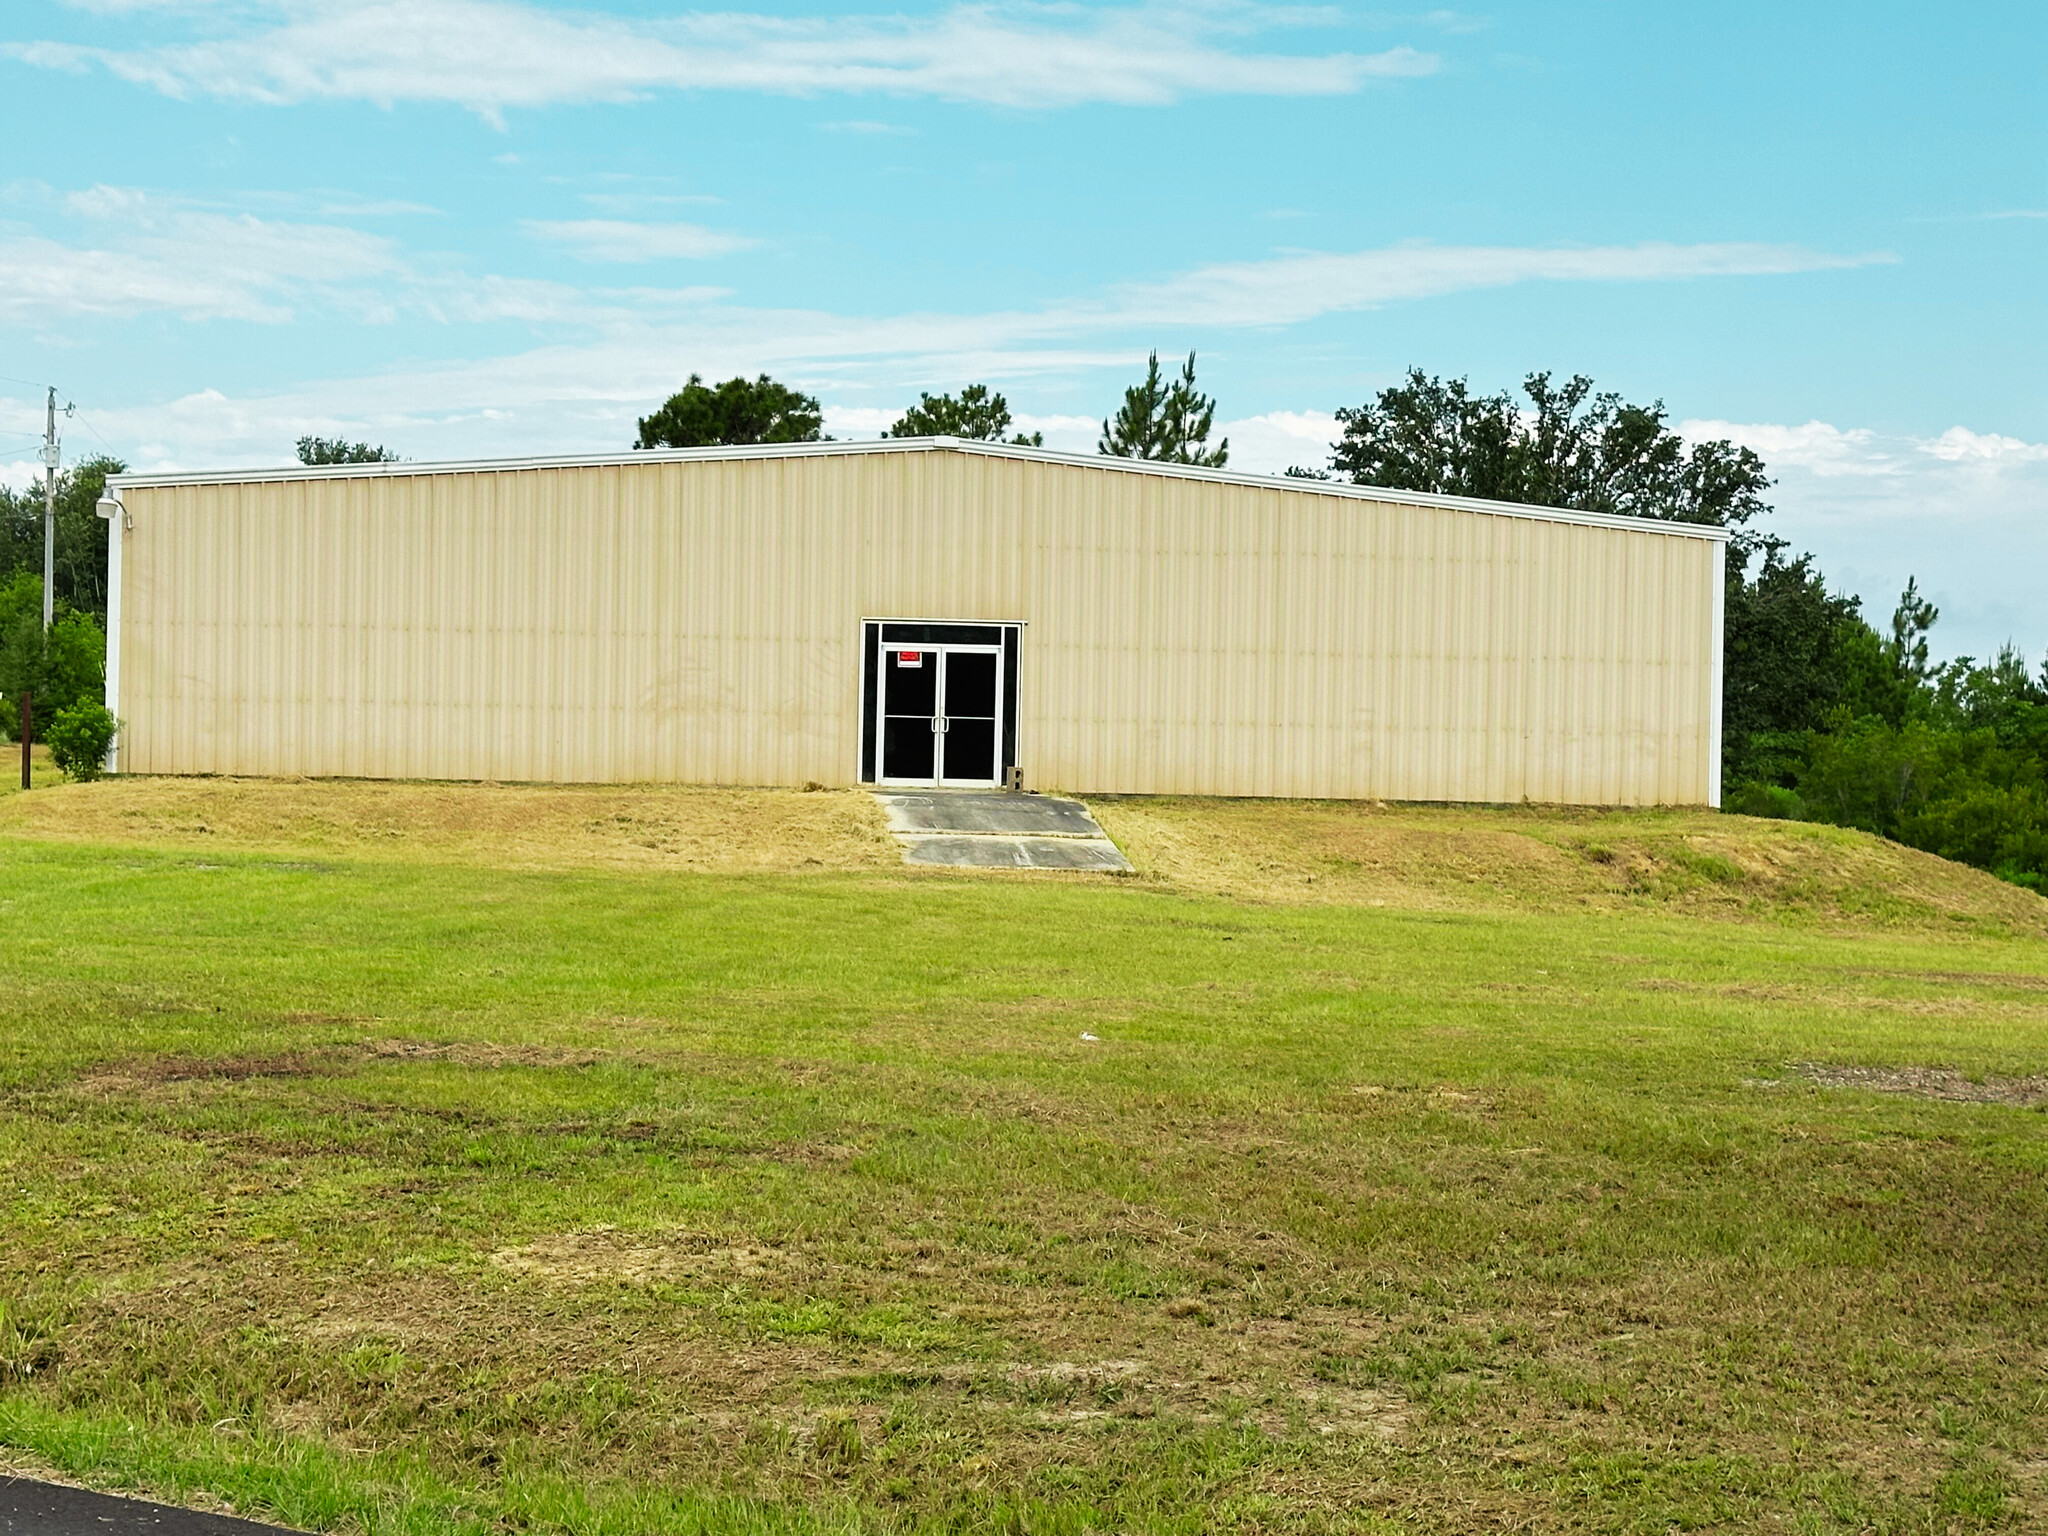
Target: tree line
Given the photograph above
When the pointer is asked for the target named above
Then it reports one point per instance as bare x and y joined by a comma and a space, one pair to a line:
1161, 418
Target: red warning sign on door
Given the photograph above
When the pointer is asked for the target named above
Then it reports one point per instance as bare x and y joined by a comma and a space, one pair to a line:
910, 658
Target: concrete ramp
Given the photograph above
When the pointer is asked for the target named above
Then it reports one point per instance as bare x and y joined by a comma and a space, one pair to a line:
995, 829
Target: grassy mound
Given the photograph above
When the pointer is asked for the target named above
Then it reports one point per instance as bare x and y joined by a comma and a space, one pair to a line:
1435, 858
1532, 858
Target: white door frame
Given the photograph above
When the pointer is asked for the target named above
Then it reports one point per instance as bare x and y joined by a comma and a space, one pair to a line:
938, 651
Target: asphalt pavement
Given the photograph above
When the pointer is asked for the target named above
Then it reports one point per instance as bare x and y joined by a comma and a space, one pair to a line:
30, 1508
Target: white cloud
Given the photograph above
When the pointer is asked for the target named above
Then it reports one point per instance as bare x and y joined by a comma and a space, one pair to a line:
153, 254
1070, 434
1301, 285
490, 55
1961, 445
161, 255
859, 420
617, 240
1965, 512
1815, 447
1279, 440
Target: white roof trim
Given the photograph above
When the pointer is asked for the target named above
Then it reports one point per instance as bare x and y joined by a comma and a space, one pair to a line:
921, 445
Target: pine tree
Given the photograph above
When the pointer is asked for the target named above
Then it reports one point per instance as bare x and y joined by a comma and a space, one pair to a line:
1165, 421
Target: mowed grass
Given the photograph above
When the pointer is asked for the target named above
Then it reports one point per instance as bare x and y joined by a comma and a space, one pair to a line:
355, 1181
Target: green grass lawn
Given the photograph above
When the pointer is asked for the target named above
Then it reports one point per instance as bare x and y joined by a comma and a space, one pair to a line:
364, 1194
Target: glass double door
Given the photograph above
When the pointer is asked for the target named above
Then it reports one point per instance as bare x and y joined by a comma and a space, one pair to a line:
942, 715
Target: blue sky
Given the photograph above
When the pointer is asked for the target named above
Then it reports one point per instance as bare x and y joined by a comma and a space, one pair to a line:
467, 227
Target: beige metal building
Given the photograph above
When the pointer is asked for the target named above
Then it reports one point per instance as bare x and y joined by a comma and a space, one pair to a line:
920, 611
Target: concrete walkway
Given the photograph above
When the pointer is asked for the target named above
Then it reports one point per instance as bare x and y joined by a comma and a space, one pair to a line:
994, 829
30, 1508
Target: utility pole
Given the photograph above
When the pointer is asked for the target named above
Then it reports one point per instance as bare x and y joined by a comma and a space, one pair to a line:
52, 456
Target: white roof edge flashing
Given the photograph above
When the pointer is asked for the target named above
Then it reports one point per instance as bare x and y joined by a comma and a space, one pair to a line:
828, 449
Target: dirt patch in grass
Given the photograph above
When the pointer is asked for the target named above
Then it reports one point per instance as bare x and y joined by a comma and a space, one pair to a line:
605, 1254
484, 1053
498, 825
146, 1071
1931, 1083
143, 1073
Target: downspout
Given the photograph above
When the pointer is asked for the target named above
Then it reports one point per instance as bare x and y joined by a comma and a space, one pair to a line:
110, 508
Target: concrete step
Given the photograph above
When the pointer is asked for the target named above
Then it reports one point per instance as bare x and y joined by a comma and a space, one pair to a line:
997, 829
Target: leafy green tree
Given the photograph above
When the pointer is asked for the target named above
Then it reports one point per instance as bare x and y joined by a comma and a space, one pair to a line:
339, 450
1165, 420
1566, 447
735, 412
1429, 434
81, 552
81, 543
21, 531
63, 666
1784, 635
974, 413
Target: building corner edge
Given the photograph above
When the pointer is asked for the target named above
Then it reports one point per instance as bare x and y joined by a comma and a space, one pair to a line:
1717, 686
115, 512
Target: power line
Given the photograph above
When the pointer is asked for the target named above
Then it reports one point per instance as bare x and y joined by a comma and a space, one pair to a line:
79, 416
71, 411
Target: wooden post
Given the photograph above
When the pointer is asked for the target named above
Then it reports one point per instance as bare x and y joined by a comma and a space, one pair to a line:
28, 725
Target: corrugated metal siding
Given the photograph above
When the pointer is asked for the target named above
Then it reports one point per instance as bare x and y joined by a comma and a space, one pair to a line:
698, 621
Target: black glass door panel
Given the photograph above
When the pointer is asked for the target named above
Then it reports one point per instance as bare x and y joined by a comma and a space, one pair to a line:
910, 696
909, 748
971, 684
972, 734
913, 683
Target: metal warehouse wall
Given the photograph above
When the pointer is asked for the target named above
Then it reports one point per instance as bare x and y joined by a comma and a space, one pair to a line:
699, 621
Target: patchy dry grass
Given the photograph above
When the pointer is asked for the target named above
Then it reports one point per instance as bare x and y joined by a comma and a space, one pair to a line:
363, 1181
1548, 858
507, 826
1414, 858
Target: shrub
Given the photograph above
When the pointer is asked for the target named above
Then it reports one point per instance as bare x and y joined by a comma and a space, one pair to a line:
79, 738
1772, 800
